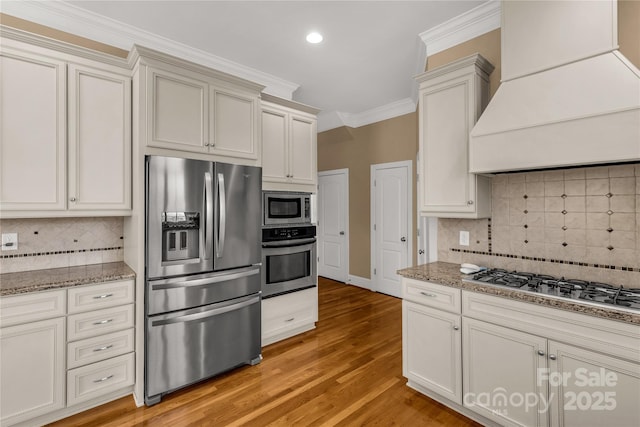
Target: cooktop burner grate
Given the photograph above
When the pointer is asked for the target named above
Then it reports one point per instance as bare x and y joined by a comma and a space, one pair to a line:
592, 292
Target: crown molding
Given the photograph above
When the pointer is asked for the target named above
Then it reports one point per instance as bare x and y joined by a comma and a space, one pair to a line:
334, 119
473, 23
72, 19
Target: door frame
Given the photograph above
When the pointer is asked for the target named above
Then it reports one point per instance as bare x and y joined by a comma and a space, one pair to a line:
345, 173
374, 168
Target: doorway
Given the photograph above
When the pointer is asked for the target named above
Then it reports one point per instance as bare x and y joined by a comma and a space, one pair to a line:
333, 224
391, 223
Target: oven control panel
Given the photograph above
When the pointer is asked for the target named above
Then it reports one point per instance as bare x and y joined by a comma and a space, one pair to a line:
288, 233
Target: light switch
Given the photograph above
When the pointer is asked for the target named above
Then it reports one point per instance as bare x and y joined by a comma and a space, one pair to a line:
9, 241
464, 238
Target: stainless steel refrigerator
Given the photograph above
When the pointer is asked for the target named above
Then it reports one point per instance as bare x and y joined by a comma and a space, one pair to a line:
203, 259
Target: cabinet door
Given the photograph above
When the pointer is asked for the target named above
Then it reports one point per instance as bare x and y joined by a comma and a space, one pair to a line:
233, 123
33, 132
32, 369
501, 374
274, 145
445, 122
302, 155
431, 351
589, 388
99, 140
178, 113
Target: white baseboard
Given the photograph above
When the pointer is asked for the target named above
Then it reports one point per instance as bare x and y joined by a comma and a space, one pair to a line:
359, 281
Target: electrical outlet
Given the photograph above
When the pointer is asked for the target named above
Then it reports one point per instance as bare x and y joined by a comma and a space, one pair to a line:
464, 238
9, 241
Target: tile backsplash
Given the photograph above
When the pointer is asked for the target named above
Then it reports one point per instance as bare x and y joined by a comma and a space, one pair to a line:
62, 242
582, 223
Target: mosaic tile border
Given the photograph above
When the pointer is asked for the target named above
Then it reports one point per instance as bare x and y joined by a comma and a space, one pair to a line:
75, 251
541, 259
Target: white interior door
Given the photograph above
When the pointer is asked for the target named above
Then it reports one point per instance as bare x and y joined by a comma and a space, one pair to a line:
333, 224
390, 222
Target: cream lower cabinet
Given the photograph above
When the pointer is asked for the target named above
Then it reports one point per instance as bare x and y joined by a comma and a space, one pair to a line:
451, 99
65, 147
500, 366
190, 108
32, 368
432, 355
290, 314
65, 351
289, 145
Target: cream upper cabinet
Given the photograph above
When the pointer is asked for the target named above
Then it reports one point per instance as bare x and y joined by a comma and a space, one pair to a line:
99, 139
188, 110
289, 145
66, 130
179, 111
234, 123
33, 126
451, 99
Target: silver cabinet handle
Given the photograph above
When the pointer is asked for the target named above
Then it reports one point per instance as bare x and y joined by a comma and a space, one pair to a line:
290, 320
541, 353
455, 328
428, 295
403, 239
106, 347
103, 379
469, 202
552, 356
103, 296
73, 199
102, 322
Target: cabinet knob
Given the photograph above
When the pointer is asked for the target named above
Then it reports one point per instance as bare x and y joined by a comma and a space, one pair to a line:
73, 199
342, 233
541, 353
469, 202
455, 328
420, 251
403, 239
552, 356
206, 145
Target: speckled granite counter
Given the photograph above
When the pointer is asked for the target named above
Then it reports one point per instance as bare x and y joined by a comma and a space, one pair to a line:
448, 274
55, 278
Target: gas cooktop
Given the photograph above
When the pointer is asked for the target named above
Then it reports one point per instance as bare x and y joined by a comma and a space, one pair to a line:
572, 289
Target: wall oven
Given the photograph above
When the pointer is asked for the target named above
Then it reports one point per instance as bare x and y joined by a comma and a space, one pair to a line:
288, 260
286, 208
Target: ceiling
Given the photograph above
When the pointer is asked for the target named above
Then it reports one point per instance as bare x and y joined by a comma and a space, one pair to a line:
370, 53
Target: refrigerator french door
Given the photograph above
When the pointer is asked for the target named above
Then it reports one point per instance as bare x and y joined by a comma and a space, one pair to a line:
203, 257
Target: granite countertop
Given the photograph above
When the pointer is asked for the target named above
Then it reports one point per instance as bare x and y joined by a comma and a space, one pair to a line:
448, 274
57, 278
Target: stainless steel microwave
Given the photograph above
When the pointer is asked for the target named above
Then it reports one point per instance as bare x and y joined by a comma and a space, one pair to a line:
284, 207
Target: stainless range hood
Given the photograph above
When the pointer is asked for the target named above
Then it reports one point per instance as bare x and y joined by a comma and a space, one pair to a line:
567, 96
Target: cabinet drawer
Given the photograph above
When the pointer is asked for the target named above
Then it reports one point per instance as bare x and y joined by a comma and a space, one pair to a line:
288, 311
97, 379
85, 325
30, 307
95, 349
93, 297
432, 295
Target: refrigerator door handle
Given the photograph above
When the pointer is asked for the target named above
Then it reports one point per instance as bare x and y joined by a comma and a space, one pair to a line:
187, 283
223, 216
182, 318
208, 217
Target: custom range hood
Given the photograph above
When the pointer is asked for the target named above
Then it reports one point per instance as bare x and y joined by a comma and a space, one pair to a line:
567, 96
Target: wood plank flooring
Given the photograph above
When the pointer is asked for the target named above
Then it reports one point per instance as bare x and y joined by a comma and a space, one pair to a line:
348, 371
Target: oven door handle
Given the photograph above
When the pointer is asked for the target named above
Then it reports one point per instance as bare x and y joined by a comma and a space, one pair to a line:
247, 301
181, 283
288, 243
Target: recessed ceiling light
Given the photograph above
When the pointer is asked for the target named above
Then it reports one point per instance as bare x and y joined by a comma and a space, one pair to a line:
314, 37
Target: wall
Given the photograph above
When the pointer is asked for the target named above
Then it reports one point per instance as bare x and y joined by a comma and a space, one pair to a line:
61, 242
357, 149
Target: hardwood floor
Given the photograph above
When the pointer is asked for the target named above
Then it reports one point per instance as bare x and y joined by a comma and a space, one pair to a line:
348, 371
